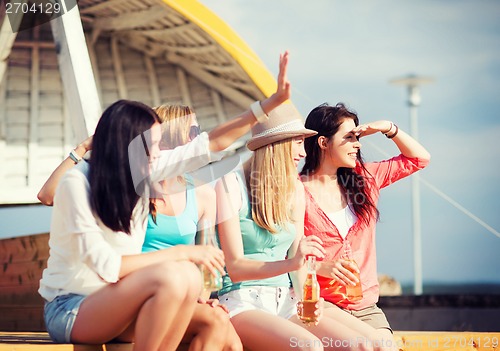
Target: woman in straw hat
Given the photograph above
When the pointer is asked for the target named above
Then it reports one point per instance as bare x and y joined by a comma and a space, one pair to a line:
261, 230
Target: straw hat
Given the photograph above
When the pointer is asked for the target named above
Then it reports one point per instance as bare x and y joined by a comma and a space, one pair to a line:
284, 122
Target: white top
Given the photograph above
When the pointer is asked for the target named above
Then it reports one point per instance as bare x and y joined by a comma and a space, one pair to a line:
85, 255
343, 220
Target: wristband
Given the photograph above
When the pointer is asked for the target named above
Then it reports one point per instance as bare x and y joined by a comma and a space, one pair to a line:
393, 134
74, 156
258, 112
388, 130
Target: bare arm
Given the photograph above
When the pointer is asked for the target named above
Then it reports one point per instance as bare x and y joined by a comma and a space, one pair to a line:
46, 193
408, 146
239, 267
227, 133
208, 256
302, 245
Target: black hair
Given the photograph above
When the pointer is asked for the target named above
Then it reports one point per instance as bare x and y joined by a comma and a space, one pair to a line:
326, 120
113, 196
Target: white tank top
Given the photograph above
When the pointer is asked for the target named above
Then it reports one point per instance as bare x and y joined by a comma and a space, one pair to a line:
343, 220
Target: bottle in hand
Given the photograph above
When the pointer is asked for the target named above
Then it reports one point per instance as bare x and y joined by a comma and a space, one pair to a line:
353, 293
207, 237
310, 295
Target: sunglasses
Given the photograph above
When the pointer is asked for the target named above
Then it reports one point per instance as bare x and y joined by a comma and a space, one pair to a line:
194, 131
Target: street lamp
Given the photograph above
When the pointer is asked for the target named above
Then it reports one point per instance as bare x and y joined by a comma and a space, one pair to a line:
412, 82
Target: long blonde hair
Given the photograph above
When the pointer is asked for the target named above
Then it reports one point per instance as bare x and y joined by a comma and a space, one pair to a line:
270, 178
176, 121
175, 124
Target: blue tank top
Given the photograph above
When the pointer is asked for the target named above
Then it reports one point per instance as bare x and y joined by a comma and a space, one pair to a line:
173, 230
261, 245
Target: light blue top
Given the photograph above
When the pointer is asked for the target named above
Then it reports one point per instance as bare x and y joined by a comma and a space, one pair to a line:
260, 245
173, 230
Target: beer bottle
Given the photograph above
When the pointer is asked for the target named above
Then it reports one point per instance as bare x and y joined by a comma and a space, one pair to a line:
207, 237
310, 294
353, 293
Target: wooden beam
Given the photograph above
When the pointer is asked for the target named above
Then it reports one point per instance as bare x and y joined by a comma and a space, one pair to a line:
161, 34
76, 73
94, 36
229, 68
34, 109
95, 66
183, 85
30, 44
3, 126
7, 38
221, 116
130, 20
193, 49
117, 65
67, 132
101, 6
195, 70
141, 43
153, 82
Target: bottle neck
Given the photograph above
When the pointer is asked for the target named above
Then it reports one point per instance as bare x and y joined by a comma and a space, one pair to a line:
311, 264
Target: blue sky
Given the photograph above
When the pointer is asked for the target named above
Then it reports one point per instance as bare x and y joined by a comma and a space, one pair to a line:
348, 51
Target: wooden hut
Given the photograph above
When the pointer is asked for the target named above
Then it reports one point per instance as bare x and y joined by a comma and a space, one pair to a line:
154, 51
171, 51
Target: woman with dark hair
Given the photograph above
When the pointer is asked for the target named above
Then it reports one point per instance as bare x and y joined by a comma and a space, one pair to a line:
341, 208
97, 285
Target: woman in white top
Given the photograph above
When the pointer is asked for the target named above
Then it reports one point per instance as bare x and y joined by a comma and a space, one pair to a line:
97, 284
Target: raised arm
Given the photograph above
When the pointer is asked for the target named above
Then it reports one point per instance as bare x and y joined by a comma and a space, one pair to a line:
408, 146
46, 193
227, 133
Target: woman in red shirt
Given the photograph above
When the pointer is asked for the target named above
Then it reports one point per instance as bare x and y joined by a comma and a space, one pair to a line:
341, 208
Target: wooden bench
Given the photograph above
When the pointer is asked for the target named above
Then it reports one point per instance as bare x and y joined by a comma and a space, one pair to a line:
406, 341
40, 341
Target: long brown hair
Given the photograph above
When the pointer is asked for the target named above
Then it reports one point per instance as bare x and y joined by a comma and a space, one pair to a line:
113, 195
326, 120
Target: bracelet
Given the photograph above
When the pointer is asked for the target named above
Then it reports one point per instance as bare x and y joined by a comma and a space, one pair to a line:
394, 134
388, 130
258, 112
74, 156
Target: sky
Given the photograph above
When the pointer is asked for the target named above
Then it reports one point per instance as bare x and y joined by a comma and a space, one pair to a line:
347, 51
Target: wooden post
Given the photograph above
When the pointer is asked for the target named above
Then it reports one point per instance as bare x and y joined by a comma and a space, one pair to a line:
7, 38
76, 73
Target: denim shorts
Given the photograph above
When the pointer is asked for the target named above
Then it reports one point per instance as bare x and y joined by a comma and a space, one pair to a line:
278, 301
60, 315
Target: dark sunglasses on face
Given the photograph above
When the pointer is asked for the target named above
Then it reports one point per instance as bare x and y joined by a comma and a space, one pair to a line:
194, 131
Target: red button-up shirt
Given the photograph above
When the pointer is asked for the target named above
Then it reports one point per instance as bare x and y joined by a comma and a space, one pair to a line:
360, 236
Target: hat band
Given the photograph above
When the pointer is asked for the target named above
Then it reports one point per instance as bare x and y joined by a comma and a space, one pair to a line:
292, 126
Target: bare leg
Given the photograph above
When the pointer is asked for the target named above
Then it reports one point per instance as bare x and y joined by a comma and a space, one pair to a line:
152, 297
335, 335
369, 337
233, 341
207, 329
387, 339
259, 330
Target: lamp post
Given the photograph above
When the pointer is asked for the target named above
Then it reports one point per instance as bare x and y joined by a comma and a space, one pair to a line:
412, 82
